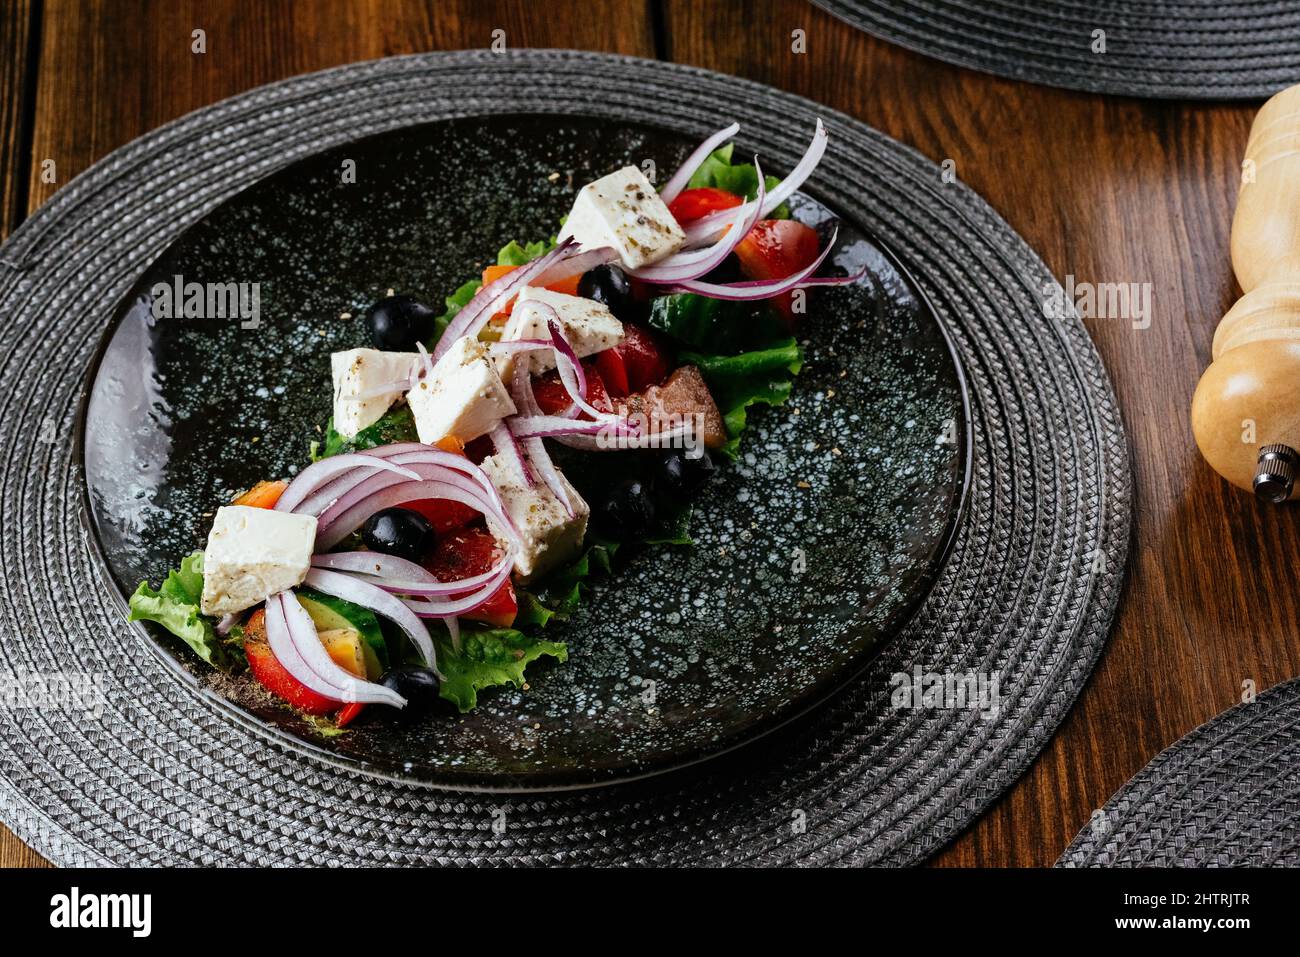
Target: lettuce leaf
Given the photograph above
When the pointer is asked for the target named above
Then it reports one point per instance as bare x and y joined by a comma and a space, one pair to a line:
559, 594
737, 382
488, 657
397, 425
175, 606
739, 179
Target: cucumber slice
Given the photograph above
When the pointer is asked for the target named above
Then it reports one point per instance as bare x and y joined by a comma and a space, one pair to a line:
330, 614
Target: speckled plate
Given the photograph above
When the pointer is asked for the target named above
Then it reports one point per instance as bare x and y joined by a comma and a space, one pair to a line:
813, 549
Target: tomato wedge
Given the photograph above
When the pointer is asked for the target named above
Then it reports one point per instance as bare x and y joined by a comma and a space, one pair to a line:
693, 204
636, 363
553, 398
473, 551
774, 249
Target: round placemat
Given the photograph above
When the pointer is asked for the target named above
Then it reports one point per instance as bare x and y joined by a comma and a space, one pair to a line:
1176, 49
1225, 795
156, 774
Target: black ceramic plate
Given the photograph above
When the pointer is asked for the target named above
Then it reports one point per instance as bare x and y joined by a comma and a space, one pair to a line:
815, 547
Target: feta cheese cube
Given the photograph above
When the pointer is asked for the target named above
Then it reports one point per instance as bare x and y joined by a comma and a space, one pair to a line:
463, 396
624, 211
588, 325
253, 553
550, 536
365, 372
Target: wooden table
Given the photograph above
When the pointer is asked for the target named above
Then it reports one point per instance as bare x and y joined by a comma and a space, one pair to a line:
1108, 190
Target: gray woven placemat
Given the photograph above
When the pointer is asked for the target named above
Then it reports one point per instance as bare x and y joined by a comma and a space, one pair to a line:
162, 777
1225, 795
1177, 49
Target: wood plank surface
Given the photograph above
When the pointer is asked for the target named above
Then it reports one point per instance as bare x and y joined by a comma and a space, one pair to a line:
1105, 189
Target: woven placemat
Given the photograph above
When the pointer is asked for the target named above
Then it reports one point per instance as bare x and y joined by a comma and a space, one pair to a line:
1226, 795
161, 776
1176, 49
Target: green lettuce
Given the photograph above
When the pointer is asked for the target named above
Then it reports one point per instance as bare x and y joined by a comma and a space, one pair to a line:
745, 353
739, 179
397, 425
175, 606
487, 658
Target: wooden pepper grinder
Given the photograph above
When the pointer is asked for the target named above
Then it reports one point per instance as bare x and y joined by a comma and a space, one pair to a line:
1246, 413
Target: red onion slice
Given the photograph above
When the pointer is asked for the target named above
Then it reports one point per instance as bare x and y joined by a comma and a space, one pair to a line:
296, 645
492, 298
813, 280
576, 265
521, 388
386, 572
318, 473
509, 452
380, 602
511, 346
695, 264
742, 292
425, 367
445, 608
706, 227
673, 188
548, 426
334, 528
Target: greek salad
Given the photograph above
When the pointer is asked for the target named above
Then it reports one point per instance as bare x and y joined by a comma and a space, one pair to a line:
483, 463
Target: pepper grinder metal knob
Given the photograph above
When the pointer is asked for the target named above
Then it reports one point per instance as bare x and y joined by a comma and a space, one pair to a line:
1275, 479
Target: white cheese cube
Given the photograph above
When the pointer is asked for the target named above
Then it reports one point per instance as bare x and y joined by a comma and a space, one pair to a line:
550, 536
253, 553
624, 211
463, 396
362, 372
588, 325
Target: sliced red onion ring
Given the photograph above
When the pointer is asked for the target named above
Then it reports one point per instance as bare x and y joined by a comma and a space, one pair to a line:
417, 582
379, 391
673, 188
334, 528
706, 227
509, 452
374, 563
492, 298
692, 265
318, 473
572, 375
226, 623
576, 265
380, 602
740, 292
425, 367
814, 280
511, 346
549, 426
521, 388
296, 645
444, 608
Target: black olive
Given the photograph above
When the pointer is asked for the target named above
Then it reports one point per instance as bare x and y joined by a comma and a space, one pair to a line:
418, 685
397, 323
677, 476
608, 284
400, 532
627, 512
